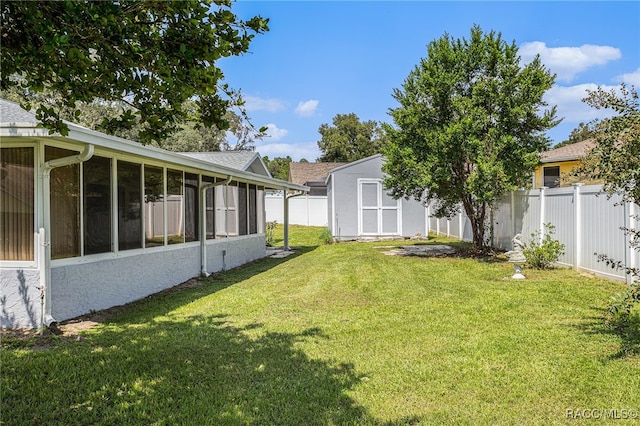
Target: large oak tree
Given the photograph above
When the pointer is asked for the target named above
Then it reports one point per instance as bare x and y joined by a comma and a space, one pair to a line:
150, 56
469, 126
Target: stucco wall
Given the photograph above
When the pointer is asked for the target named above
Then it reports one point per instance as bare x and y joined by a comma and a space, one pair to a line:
86, 286
19, 298
565, 168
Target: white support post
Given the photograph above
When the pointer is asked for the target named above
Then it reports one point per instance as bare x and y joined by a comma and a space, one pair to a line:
633, 220
460, 225
286, 219
542, 209
577, 221
513, 212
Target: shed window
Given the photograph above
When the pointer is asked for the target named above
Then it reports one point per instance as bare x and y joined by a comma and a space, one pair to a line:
16, 204
551, 176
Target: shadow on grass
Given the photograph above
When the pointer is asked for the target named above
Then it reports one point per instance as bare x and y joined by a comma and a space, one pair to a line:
628, 333
200, 370
158, 304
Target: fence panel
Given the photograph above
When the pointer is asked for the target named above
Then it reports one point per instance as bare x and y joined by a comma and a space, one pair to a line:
587, 222
303, 210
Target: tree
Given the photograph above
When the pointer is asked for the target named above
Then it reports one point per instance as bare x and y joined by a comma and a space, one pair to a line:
579, 134
469, 126
149, 56
615, 160
278, 167
349, 139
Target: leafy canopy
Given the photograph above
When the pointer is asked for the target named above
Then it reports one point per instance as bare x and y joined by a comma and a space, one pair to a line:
349, 139
278, 167
615, 160
151, 56
469, 126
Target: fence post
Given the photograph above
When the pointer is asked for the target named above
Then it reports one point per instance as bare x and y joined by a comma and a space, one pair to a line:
513, 213
542, 209
577, 220
632, 227
460, 226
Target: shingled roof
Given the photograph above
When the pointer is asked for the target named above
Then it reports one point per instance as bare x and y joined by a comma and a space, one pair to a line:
568, 152
301, 173
249, 161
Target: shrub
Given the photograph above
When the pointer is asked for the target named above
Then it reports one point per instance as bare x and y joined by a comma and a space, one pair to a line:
325, 236
540, 252
271, 226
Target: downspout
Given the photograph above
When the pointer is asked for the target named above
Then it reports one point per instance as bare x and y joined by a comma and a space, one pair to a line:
286, 216
203, 228
47, 319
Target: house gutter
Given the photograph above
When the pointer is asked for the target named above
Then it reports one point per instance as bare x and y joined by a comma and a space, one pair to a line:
203, 228
45, 278
286, 216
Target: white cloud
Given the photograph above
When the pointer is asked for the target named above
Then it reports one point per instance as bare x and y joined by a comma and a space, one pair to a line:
307, 108
566, 62
297, 151
254, 103
569, 102
630, 78
275, 133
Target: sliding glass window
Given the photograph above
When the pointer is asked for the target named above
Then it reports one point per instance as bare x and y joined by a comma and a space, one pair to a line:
242, 208
16, 204
253, 210
129, 205
175, 207
191, 211
96, 173
65, 205
153, 206
209, 207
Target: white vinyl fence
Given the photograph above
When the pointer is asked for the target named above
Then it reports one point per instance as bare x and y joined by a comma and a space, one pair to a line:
303, 210
586, 221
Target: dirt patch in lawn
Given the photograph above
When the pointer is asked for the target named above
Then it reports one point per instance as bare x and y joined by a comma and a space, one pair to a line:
71, 328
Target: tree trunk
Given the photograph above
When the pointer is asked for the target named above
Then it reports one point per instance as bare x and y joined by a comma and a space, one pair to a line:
477, 219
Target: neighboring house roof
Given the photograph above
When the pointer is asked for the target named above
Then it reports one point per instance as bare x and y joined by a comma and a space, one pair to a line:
247, 161
301, 173
18, 123
568, 152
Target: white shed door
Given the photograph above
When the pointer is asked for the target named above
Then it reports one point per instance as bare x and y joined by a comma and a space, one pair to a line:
378, 213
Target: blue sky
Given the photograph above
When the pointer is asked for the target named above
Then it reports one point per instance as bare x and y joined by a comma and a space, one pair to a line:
322, 58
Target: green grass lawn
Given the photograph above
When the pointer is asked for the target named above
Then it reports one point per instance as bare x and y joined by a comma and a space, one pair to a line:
337, 334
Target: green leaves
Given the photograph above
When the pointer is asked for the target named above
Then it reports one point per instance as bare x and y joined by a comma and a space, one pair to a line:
349, 139
471, 119
150, 55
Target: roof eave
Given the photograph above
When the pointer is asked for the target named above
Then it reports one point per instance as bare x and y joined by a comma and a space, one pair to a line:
84, 135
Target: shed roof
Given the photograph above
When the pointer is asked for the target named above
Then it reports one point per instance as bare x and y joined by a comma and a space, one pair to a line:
570, 152
301, 173
17, 123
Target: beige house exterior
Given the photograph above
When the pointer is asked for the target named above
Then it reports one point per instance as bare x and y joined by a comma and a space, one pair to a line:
558, 163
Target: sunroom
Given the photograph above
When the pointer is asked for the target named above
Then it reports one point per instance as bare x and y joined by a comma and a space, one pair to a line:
89, 221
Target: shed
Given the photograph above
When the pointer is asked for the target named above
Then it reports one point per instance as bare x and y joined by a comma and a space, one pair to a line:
359, 205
